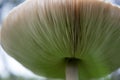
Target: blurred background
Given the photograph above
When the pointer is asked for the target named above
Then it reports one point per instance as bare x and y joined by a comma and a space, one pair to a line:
10, 69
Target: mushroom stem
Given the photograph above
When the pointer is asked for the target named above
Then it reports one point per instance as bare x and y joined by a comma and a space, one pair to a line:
72, 69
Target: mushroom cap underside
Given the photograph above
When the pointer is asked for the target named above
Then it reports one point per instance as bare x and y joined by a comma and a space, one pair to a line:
42, 36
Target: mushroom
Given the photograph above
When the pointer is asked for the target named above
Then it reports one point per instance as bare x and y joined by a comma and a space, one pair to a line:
72, 39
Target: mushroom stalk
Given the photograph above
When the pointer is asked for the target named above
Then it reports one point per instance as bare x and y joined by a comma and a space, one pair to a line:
72, 70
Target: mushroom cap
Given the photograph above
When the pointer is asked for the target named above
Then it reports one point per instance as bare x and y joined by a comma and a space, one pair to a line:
43, 34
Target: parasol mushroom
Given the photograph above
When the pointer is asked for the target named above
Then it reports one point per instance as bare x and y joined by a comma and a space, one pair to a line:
79, 39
